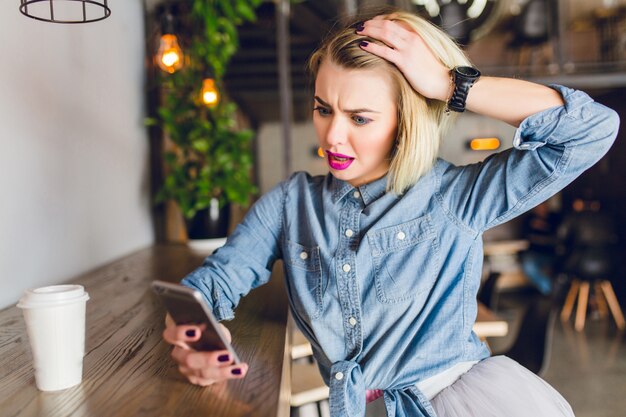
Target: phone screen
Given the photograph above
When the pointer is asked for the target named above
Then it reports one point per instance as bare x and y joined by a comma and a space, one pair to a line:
187, 307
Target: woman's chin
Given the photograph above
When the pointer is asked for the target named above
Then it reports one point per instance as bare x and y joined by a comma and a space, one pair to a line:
345, 176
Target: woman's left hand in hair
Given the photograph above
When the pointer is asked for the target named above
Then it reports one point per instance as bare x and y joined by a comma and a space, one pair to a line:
408, 51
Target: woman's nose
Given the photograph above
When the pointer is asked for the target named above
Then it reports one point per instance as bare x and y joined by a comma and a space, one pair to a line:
336, 133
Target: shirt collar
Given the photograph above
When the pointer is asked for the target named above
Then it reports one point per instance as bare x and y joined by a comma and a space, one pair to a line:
369, 192
374, 190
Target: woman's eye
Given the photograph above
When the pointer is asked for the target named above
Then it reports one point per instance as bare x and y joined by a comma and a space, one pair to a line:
360, 120
322, 111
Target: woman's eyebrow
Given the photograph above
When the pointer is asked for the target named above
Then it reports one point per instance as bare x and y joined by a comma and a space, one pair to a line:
362, 110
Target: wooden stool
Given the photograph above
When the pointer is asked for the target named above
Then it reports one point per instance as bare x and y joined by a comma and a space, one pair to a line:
300, 346
307, 385
604, 294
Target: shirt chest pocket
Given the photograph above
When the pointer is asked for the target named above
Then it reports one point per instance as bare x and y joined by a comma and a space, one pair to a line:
405, 258
304, 278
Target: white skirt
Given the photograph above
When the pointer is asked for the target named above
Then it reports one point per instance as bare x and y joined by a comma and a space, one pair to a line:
498, 387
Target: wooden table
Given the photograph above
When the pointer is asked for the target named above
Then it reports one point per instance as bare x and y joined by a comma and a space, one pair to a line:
488, 324
505, 247
502, 256
127, 368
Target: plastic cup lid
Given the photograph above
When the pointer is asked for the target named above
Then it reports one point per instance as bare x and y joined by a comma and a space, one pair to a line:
52, 296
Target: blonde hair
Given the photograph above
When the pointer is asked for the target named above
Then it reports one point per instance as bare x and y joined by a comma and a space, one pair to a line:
421, 121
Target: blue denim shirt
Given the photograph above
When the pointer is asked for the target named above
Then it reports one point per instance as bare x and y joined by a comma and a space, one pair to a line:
384, 286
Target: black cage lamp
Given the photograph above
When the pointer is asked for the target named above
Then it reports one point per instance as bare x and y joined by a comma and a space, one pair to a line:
66, 11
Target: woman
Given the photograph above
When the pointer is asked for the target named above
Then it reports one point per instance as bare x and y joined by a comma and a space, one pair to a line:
383, 255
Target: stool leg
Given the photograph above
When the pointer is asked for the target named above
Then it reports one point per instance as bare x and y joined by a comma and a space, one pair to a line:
581, 310
319, 409
613, 304
602, 307
566, 312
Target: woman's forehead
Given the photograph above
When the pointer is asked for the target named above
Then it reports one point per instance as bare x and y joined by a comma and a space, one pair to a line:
334, 82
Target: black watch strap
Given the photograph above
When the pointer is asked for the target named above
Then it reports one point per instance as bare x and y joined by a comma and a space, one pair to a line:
463, 79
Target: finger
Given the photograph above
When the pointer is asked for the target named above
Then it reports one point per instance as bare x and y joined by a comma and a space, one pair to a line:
187, 371
187, 333
170, 335
389, 32
392, 17
382, 51
176, 335
238, 371
179, 354
230, 372
203, 360
181, 335
196, 380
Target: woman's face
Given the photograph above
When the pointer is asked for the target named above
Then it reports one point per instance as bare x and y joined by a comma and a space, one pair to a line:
355, 116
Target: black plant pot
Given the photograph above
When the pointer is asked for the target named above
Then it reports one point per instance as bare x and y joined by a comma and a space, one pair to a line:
210, 223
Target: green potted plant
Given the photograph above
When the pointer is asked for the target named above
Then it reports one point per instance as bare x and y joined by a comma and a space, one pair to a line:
208, 165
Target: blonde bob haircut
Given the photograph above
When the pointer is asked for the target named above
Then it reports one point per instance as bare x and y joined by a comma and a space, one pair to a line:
421, 121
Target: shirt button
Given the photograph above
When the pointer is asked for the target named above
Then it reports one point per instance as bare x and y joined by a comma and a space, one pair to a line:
339, 376
304, 255
349, 232
356, 194
401, 235
352, 321
346, 268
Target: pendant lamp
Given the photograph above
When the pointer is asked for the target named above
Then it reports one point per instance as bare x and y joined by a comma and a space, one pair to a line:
170, 56
66, 11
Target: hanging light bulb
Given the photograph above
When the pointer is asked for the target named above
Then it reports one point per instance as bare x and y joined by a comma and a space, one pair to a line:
170, 55
210, 96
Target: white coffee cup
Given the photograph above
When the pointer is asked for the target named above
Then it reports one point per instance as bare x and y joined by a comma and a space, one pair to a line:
55, 322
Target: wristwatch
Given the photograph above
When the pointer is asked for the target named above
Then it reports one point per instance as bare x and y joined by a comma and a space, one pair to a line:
463, 79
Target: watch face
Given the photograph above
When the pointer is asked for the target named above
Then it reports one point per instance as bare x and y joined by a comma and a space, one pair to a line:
468, 71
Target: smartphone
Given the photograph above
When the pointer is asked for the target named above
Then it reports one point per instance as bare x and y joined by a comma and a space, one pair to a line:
186, 306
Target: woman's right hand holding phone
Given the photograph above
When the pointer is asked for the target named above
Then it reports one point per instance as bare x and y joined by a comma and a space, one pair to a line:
200, 368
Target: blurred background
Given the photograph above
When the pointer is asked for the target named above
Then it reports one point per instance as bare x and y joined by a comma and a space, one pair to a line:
131, 131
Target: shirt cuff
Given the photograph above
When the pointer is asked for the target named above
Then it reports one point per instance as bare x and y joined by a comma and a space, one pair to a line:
217, 302
535, 130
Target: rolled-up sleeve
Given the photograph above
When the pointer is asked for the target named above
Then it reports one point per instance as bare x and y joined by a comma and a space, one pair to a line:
550, 149
246, 260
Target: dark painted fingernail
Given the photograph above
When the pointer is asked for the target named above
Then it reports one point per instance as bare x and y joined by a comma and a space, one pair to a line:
223, 358
191, 333
364, 43
236, 371
360, 26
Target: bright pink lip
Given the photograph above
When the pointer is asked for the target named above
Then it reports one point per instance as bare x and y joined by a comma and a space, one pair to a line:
339, 165
339, 155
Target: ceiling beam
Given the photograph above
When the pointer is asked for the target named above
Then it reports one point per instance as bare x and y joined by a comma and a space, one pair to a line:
257, 54
234, 71
308, 22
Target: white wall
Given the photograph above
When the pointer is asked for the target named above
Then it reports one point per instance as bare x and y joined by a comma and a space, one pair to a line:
74, 174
